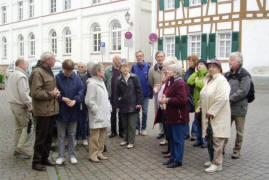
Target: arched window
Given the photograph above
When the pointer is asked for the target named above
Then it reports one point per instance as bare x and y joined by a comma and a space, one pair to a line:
20, 45
4, 47
96, 34
67, 41
32, 44
116, 36
53, 41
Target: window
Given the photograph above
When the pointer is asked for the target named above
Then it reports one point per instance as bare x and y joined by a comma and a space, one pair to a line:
67, 4
195, 2
20, 10
96, 31
116, 36
169, 4
21, 45
52, 6
53, 42
4, 15
96, 1
67, 41
32, 44
224, 45
169, 46
31, 8
4, 47
195, 45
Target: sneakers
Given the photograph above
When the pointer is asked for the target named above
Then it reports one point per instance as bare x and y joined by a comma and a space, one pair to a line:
236, 155
213, 168
73, 160
137, 132
19, 150
85, 142
60, 161
207, 164
144, 132
123, 143
129, 146
163, 142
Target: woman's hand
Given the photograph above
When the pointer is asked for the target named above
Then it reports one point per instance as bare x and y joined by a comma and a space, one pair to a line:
208, 116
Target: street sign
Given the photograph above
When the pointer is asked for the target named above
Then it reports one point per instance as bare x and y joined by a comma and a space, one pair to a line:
128, 35
153, 37
102, 44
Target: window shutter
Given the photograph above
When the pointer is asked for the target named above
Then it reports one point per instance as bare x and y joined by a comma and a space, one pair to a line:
161, 5
204, 1
184, 47
203, 48
213, 0
176, 3
177, 39
212, 46
186, 3
160, 44
235, 41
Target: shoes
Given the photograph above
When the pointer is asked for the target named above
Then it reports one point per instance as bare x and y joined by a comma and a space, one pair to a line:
73, 160
121, 135
129, 146
60, 161
144, 132
39, 167
112, 135
169, 161
95, 160
174, 164
193, 138
47, 163
23, 152
76, 143
85, 142
207, 164
204, 145
197, 143
165, 152
186, 137
213, 168
102, 157
167, 155
123, 143
137, 132
236, 155
160, 136
163, 142
105, 148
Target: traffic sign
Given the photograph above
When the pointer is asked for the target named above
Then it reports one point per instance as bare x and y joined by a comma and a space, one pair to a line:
102, 44
128, 35
153, 37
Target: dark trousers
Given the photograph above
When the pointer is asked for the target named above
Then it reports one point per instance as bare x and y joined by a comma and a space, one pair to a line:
82, 126
44, 132
113, 120
129, 126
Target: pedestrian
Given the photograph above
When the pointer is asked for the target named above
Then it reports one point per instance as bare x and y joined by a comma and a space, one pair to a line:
99, 111
216, 114
112, 73
240, 82
141, 69
72, 94
21, 106
44, 95
129, 99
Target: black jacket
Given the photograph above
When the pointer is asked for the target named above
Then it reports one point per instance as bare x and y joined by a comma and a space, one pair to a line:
129, 94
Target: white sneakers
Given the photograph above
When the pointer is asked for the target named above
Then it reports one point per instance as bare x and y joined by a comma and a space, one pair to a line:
207, 164
129, 146
85, 142
213, 168
137, 132
163, 142
144, 132
73, 160
123, 143
60, 161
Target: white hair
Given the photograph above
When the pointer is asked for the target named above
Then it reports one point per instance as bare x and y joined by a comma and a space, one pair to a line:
90, 65
238, 56
46, 55
176, 68
170, 60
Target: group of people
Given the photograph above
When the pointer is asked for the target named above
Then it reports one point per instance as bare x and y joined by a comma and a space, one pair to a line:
86, 103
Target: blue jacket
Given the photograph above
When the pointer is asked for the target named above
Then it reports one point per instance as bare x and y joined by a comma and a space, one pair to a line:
142, 72
72, 88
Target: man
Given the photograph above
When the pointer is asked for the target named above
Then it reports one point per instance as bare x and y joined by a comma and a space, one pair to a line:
21, 107
156, 75
45, 107
141, 69
239, 80
112, 73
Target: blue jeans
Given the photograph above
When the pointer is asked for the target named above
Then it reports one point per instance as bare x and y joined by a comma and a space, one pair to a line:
175, 135
144, 115
71, 132
194, 127
187, 129
199, 138
82, 126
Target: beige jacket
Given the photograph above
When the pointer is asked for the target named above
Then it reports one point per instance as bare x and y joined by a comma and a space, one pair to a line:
155, 75
215, 100
18, 89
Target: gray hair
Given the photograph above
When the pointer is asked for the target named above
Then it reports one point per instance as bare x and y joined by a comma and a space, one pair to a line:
96, 68
90, 65
176, 68
170, 60
238, 56
19, 61
46, 55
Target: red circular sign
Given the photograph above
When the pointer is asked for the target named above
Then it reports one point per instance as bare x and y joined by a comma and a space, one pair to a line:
128, 35
153, 37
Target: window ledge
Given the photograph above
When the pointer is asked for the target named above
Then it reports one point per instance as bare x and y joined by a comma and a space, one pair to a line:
95, 53
67, 54
31, 56
115, 52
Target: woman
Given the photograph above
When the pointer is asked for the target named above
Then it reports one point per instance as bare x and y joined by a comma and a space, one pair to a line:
99, 110
175, 103
216, 114
72, 94
129, 100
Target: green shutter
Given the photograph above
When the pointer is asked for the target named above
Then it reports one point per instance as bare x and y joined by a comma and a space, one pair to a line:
212, 46
186, 3
160, 44
204, 1
177, 39
235, 41
176, 3
184, 47
161, 5
203, 46
213, 0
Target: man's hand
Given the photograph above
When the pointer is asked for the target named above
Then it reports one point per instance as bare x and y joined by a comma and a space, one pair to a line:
71, 103
138, 106
56, 92
117, 109
66, 100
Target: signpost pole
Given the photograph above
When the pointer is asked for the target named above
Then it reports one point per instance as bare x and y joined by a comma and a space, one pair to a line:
152, 38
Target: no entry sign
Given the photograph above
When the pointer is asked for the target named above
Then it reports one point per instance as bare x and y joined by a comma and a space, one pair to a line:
128, 35
153, 37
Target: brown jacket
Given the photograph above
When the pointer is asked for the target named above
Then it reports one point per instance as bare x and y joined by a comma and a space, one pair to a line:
42, 83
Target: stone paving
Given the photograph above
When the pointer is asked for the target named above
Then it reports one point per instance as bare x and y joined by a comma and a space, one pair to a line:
144, 161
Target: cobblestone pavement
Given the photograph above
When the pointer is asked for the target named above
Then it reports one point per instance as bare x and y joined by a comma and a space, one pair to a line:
144, 161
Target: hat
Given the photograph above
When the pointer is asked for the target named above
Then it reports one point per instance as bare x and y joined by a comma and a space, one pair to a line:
202, 61
215, 61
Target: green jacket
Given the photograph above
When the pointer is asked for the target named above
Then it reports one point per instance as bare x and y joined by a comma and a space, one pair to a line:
107, 79
198, 84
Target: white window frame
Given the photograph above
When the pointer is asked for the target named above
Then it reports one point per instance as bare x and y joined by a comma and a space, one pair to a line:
195, 2
53, 41
96, 1
227, 45
31, 8
20, 10
31, 44
53, 6
169, 4
4, 47
170, 46
96, 37
4, 14
67, 4
116, 36
20, 45
67, 41
196, 50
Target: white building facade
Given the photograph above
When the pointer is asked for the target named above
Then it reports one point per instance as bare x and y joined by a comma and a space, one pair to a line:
214, 29
73, 29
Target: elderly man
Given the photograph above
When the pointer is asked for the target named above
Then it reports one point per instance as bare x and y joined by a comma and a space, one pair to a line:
112, 73
240, 81
21, 107
45, 107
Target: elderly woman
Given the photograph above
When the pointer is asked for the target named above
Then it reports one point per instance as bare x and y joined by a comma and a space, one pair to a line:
175, 104
72, 94
216, 114
99, 110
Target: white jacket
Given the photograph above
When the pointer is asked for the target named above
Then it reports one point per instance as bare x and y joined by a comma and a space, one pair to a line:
215, 100
99, 108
